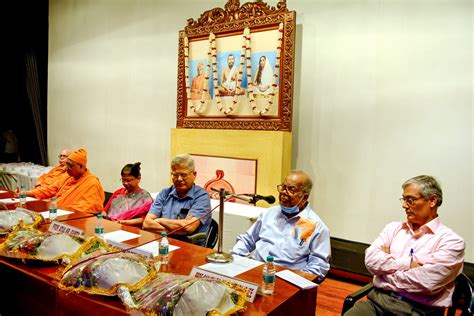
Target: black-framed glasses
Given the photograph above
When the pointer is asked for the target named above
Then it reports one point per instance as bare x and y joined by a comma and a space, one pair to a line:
292, 190
62, 156
183, 175
410, 200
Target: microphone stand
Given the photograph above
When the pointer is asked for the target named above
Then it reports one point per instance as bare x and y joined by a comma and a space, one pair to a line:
220, 256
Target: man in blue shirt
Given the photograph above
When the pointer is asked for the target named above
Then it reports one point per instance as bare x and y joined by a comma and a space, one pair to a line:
291, 232
183, 208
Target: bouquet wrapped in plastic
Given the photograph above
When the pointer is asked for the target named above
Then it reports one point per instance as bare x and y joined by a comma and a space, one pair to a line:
115, 273
20, 217
29, 243
170, 294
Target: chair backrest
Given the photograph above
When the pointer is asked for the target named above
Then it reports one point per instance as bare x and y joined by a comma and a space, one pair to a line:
107, 196
213, 234
462, 289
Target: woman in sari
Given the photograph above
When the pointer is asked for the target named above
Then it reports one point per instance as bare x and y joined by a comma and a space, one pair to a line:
263, 78
130, 204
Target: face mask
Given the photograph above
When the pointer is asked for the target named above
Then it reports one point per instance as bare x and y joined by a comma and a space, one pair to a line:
291, 209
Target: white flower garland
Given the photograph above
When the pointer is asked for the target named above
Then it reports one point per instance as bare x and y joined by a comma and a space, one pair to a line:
245, 55
201, 105
235, 101
252, 101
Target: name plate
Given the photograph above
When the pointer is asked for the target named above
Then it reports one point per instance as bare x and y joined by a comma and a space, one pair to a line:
57, 227
120, 245
250, 288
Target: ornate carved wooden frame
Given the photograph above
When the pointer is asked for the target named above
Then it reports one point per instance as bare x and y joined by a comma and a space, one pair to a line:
231, 21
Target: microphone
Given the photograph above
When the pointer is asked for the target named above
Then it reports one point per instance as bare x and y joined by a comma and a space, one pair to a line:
270, 199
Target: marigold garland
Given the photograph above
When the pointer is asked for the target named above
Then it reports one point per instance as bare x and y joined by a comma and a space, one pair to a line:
235, 101
200, 106
252, 101
245, 56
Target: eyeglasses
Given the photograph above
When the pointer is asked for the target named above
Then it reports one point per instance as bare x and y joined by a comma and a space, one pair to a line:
70, 165
183, 176
290, 189
124, 180
62, 156
409, 200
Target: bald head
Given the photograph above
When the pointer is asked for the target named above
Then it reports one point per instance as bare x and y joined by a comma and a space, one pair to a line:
304, 180
63, 156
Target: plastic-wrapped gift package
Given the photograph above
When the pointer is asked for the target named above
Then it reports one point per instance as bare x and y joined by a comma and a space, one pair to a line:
20, 217
115, 273
170, 294
29, 243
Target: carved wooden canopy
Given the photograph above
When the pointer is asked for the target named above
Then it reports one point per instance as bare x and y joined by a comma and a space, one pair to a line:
231, 21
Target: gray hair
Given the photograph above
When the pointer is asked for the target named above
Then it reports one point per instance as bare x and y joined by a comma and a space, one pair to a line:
307, 184
428, 187
183, 160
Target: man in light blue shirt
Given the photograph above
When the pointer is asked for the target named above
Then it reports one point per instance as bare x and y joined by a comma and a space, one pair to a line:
183, 208
291, 232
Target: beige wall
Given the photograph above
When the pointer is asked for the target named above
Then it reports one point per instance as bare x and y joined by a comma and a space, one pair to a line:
383, 92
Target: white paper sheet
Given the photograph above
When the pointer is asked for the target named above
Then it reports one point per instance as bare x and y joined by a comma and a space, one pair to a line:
295, 279
152, 247
236, 267
60, 212
16, 200
120, 235
1, 191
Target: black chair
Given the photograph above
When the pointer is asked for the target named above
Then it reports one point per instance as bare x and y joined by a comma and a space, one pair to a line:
463, 289
211, 237
107, 196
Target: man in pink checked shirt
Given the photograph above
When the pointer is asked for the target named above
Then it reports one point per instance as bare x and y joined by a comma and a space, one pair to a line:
415, 262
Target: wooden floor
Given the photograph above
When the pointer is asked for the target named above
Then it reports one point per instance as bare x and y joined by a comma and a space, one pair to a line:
331, 295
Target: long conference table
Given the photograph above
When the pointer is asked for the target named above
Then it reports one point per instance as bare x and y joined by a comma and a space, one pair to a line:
30, 287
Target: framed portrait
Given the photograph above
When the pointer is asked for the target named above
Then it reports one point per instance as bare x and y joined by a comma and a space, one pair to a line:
235, 68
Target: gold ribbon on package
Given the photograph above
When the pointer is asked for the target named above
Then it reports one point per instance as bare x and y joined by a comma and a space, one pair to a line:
105, 273
20, 217
29, 243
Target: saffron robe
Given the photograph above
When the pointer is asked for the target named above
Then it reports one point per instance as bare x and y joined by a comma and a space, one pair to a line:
83, 195
51, 176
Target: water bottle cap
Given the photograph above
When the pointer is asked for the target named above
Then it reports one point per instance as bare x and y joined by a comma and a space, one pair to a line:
163, 234
270, 258
99, 216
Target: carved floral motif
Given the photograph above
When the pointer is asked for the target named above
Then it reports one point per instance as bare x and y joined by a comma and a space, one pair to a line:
231, 20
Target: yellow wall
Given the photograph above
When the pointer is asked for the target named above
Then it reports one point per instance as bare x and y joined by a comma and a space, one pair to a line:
271, 149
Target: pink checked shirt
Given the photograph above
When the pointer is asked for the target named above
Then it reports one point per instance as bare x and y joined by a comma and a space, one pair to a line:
437, 247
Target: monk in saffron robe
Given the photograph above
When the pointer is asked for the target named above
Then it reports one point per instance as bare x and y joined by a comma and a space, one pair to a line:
78, 190
53, 174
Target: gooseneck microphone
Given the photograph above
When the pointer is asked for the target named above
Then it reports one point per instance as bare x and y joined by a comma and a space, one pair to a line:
254, 198
270, 199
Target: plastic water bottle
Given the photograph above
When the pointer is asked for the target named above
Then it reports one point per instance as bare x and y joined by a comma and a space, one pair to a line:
22, 197
164, 248
268, 284
53, 209
99, 226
